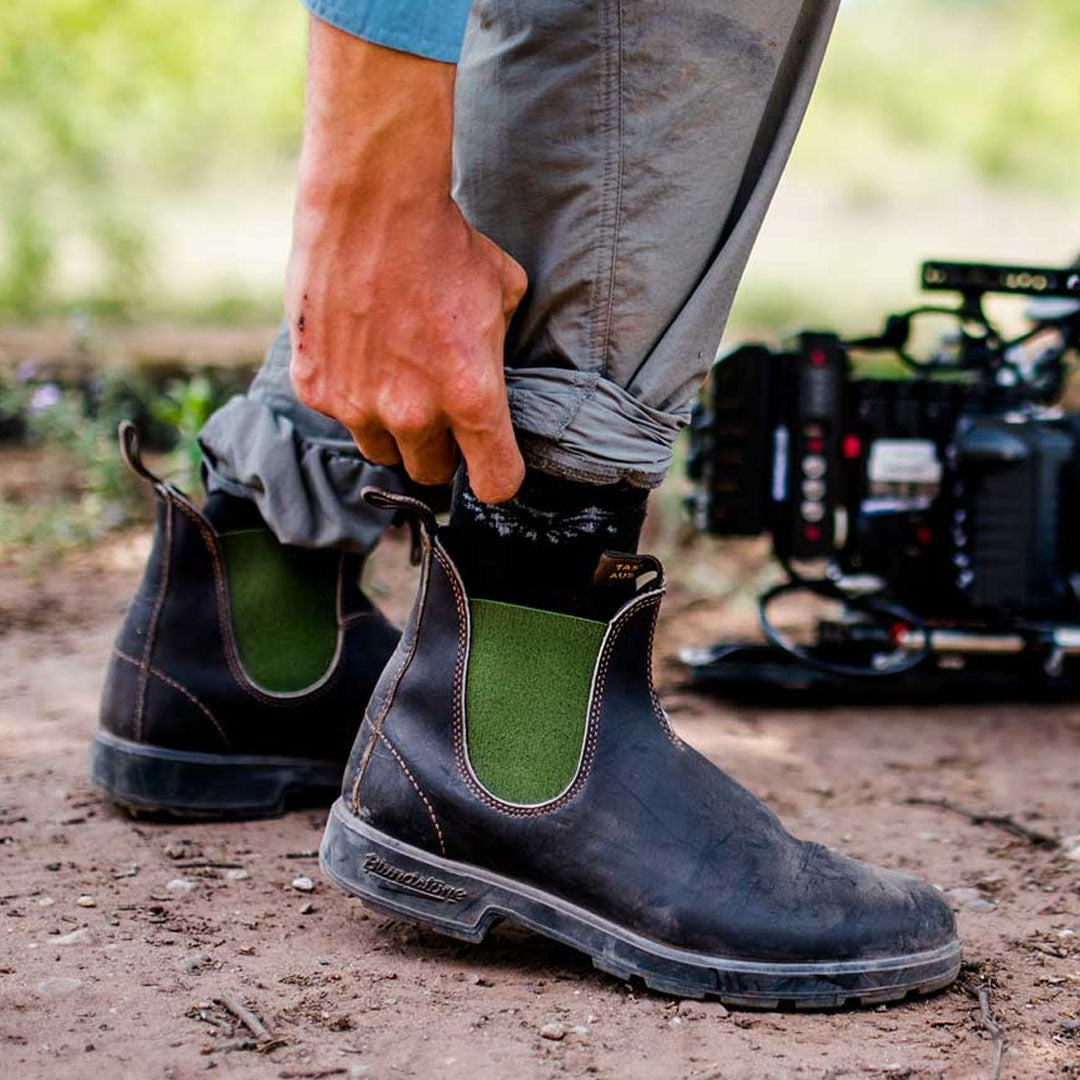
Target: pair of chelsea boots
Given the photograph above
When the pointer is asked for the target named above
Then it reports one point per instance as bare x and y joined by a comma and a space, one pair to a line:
509, 765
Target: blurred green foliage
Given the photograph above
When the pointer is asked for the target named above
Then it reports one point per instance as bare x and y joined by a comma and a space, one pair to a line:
99, 98
991, 83
79, 489
102, 101
185, 406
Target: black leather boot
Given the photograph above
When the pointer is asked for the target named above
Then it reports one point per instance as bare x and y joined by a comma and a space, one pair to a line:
240, 672
635, 848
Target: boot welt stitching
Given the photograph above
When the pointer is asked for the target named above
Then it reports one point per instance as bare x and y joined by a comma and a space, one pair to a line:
592, 720
412, 780
182, 689
151, 628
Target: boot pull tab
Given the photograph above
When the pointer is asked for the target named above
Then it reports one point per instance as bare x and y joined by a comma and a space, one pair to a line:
633, 573
418, 516
131, 452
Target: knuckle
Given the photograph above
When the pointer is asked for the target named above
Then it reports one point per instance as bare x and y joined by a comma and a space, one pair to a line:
305, 385
409, 420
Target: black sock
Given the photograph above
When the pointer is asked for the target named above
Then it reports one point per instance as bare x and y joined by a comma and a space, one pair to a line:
540, 548
229, 513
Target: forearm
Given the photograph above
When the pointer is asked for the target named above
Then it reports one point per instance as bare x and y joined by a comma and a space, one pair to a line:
398, 308
378, 124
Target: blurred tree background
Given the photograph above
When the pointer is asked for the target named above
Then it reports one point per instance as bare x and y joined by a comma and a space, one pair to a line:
147, 150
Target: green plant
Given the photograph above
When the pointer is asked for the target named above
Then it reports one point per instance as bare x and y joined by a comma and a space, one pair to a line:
186, 406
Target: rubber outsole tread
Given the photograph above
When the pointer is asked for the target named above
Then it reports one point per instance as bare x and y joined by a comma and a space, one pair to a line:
464, 902
152, 782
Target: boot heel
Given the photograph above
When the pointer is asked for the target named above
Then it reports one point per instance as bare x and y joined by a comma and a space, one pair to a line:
398, 880
156, 780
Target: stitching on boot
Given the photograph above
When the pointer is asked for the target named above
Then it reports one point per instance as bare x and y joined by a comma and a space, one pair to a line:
592, 719
395, 680
412, 780
658, 708
225, 624
151, 627
181, 688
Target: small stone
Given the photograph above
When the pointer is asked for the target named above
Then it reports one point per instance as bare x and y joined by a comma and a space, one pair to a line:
180, 886
303, 884
674, 1023
45, 901
359, 1071
246, 950
719, 1011
307, 908
481, 981
553, 1031
1070, 1025
57, 987
969, 900
690, 1010
82, 936
52, 866
582, 1030
192, 965
237, 873
126, 871
1070, 846
389, 1001
86, 901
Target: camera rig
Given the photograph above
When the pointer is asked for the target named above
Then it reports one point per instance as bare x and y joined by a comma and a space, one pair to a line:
939, 508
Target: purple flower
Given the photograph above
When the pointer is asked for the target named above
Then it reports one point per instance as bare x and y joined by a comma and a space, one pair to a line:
44, 397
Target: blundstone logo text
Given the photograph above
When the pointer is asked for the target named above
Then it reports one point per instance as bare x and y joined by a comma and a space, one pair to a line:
412, 882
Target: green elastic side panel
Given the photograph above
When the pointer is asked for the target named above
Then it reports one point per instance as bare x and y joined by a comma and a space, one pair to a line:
284, 613
526, 696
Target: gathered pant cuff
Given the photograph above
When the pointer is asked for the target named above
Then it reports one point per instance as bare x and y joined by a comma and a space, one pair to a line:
585, 427
307, 489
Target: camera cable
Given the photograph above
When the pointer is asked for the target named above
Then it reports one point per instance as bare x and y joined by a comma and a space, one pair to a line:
873, 605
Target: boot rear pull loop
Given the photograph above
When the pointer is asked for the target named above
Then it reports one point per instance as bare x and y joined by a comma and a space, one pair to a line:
131, 452
418, 515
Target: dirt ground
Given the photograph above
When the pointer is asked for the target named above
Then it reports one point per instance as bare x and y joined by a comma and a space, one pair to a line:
120, 940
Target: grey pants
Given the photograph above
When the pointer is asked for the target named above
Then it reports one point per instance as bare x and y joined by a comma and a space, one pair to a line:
625, 153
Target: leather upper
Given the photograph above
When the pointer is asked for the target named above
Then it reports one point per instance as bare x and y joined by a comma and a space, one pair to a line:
175, 679
650, 834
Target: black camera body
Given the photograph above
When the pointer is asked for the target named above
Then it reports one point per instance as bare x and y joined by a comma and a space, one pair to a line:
952, 497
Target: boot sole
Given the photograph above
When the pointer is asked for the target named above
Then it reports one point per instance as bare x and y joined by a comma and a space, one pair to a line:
465, 902
156, 781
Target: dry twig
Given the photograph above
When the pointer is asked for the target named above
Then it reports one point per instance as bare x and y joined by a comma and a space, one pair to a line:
1000, 821
997, 1036
244, 1015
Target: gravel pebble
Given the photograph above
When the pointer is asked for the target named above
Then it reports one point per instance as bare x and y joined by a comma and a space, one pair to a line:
86, 901
553, 1031
303, 884
968, 900
82, 936
57, 987
180, 886
237, 873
